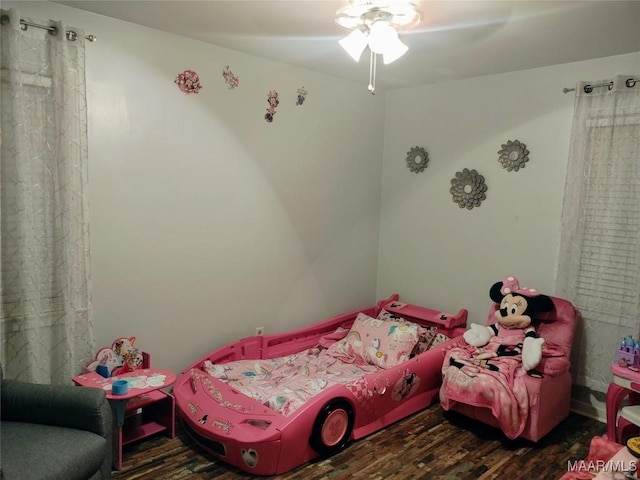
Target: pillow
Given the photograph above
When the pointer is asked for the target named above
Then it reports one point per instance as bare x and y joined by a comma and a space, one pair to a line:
386, 316
440, 338
426, 340
329, 339
384, 344
426, 335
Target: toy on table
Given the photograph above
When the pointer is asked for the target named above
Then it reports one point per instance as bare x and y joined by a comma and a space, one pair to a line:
628, 353
121, 357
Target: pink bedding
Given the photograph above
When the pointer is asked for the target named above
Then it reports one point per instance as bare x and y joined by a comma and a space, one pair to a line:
284, 384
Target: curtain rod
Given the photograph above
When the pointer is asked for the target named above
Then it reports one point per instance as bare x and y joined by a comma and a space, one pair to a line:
631, 82
71, 35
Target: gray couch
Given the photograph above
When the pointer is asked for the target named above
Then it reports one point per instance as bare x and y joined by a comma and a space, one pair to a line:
57, 432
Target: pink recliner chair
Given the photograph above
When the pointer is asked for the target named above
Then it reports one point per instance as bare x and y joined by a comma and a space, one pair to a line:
550, 395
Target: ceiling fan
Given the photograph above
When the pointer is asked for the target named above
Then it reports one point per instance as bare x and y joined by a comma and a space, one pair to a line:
375, 23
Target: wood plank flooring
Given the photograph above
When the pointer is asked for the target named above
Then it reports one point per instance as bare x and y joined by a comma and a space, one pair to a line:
430, 445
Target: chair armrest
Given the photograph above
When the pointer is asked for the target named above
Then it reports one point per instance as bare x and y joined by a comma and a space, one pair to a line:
81, 408
552, 366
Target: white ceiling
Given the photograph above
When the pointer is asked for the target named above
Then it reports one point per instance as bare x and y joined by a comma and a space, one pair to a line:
455, 39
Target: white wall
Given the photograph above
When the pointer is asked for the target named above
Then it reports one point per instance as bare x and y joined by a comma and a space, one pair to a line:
431, 251
207, 221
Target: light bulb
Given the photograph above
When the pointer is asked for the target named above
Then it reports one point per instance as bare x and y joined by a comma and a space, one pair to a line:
381, 34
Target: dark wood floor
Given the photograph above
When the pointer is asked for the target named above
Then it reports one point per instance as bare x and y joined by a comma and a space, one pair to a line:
430, 445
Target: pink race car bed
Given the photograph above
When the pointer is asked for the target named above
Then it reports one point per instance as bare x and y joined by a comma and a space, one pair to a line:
267, 404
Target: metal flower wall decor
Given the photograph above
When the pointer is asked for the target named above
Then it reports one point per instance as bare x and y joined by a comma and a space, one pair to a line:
513, 155
468, 189
417, 159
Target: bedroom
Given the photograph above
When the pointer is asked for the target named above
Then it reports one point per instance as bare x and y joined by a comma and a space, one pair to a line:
208, 222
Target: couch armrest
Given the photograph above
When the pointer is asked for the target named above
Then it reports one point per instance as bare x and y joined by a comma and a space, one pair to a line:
81, 408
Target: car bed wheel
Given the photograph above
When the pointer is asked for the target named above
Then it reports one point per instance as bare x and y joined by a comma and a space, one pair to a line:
332, 428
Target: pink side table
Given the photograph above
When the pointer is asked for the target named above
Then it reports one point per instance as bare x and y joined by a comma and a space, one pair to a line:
142, 411
625, 383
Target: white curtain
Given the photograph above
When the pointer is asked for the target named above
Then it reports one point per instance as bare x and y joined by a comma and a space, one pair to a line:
46, 322
599, 260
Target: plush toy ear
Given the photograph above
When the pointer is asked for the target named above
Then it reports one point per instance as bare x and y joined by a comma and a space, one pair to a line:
541, 303
495, 292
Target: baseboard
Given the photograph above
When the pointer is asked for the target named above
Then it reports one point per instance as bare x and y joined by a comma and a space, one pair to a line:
588, 404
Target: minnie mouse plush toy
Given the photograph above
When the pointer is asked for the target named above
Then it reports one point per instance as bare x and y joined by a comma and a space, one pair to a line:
514, 318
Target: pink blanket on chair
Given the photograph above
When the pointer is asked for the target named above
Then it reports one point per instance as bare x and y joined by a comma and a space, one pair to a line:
496, 383
476, 376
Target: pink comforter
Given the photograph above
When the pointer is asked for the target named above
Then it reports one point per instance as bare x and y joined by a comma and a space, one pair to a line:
285, 383
496, 383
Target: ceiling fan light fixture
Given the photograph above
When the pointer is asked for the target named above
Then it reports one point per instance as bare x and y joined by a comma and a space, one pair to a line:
375, 23
381, 35
393, 51
354, 44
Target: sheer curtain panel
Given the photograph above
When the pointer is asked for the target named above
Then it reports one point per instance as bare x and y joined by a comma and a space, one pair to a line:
46, 321
599, 261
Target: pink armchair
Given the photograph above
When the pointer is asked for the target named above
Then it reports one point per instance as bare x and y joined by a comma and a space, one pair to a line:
550, 395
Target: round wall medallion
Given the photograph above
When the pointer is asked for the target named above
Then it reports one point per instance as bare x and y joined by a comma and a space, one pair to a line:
417, 159
188, 82
513, 155
468, 189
